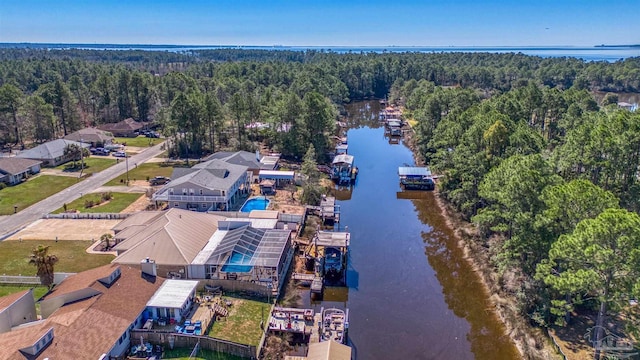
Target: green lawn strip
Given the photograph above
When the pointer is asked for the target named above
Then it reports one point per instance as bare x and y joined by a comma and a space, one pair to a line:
38, 291
243, 323
142, 172
72, 255
32, 191
118, 203
91, 165
140, 141
203, 354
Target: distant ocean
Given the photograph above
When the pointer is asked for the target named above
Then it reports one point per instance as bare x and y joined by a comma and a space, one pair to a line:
595, 53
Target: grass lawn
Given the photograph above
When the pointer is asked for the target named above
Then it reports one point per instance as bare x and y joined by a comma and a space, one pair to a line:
140, 141
142, 172
32, 191
38, 291
243, 323
118, 203
183, 354
14, 256
91, 165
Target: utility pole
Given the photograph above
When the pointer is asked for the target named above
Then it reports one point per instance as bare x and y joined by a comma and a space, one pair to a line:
81, 158
126, 160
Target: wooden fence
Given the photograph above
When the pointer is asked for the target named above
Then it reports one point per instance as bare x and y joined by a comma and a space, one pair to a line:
189, 341
108, 216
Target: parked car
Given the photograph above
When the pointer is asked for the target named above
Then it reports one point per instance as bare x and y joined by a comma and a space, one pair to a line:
119, 154
152, 134
114, 147
99, 151
159, 180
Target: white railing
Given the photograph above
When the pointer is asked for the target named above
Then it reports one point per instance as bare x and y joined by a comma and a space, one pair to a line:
191, 198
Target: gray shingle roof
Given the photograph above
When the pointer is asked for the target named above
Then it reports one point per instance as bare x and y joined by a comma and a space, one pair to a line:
90, 135
16, 166
244, 158
49, 150
214, 174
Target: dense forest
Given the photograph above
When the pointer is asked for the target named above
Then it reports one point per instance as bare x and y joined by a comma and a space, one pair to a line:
549, 175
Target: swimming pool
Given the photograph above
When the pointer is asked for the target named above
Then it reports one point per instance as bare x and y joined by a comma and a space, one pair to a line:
255, 203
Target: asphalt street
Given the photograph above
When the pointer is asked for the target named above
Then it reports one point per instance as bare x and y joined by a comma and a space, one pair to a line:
12, 223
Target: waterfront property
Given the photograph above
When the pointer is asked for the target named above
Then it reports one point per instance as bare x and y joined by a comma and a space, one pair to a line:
342, 169
292, 320
208, 186
14, 170
253, 162
325, 350
334, 326
394, 127
51, 153
416, 178
171, 238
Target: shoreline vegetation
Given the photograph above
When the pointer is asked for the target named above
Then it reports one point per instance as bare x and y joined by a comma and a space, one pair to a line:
530, 342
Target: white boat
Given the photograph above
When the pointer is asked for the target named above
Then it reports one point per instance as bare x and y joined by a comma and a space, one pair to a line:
335, 323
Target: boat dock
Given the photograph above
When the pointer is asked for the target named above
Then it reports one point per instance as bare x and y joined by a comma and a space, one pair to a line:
328, 210
416, 178
292, 320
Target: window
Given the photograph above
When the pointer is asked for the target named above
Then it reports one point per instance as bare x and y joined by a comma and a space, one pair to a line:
170, 191
184, 191
204, 205
200, 191
176, 204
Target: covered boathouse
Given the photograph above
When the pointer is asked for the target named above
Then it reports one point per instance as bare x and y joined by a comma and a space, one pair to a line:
416, 178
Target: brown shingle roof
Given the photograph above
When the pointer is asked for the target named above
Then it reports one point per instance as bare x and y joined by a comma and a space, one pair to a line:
124, 125
86, 329
6, 301
90, 135
14, 165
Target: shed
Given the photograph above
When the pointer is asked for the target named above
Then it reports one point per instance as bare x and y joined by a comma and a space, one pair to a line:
280, 177
343, 159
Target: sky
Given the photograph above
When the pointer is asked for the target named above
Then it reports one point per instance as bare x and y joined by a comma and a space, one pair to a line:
323, 23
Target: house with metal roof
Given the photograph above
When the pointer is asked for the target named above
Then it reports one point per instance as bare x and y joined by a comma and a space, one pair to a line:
14, 170
211, 185
87, 316
171, 238
93, 136
51, 153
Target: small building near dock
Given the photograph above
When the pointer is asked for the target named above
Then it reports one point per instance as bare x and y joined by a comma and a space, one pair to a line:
416, 178
342, 169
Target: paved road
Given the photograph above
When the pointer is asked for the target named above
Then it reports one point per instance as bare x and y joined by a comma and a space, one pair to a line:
15, 222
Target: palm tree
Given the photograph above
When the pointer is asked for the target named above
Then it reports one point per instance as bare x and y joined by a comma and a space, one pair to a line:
106, 239
44, 262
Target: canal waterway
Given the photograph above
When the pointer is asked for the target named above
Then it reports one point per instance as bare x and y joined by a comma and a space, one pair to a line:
411, 294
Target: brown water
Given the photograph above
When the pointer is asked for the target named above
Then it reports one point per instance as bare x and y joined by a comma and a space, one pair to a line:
410, 294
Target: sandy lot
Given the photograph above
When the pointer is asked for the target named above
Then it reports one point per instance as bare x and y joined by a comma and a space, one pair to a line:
65, 229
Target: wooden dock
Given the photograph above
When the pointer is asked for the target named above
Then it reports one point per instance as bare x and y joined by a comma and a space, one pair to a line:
303, 277
328, 210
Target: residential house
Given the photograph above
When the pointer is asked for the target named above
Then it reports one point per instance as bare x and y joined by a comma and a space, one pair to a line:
51, 153
93, 136
211, 185
172, 239
253, 162
192, 245
125, 128
13, 170
87, 316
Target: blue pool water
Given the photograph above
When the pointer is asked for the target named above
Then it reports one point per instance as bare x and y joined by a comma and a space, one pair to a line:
237, 263
257, 203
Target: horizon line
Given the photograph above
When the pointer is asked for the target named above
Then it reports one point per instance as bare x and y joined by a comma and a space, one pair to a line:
319, 46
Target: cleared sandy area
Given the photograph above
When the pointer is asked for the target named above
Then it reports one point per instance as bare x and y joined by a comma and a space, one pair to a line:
65, 229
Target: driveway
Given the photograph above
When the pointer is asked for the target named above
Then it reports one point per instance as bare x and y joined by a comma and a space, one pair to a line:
12, 223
